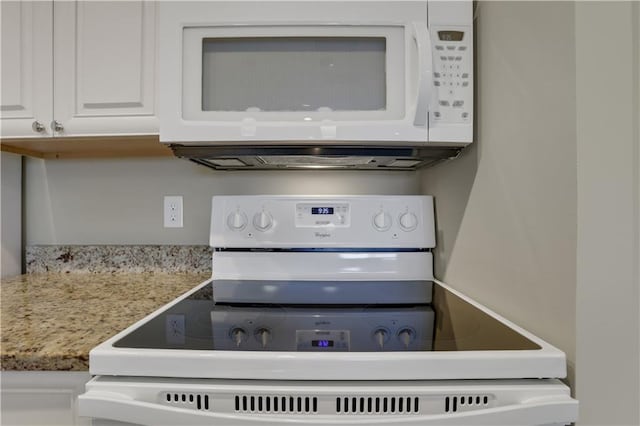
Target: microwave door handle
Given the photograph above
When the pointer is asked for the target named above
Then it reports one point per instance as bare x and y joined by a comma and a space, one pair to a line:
425, 72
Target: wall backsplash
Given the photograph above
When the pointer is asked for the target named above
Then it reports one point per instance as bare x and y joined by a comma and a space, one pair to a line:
118, 259
119, 201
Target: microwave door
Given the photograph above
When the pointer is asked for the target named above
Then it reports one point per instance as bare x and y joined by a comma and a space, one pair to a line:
329, 83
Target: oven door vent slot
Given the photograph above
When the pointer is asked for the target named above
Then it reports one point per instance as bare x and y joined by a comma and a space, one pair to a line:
455, 403
195, 401
378, 405
275, 404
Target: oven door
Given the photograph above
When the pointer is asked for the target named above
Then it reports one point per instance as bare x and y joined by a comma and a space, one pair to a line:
162, 401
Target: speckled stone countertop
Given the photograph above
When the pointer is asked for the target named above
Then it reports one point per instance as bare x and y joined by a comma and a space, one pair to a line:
51, 321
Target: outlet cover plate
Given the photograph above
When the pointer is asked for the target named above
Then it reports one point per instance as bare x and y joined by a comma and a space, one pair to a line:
173, 211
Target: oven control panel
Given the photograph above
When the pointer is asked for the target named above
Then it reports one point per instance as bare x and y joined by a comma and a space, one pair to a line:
322, 215
322, 221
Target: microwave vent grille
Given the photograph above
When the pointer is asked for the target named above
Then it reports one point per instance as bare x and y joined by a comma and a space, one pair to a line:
310, 160
327, 157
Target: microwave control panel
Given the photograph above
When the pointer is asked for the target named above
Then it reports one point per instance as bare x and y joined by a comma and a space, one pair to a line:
452, 75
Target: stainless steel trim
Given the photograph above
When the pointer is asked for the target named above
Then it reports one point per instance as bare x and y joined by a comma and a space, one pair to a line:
56, 126
328, 157
37, 127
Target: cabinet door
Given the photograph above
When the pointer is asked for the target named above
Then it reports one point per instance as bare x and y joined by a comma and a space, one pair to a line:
31, 398
104, 68
26, 68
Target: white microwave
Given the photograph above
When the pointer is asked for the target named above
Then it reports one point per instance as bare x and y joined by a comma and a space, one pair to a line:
340, 78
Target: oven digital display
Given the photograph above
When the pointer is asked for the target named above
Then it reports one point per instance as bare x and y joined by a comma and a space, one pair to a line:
323, 340
321, 210
323, 214
322, 343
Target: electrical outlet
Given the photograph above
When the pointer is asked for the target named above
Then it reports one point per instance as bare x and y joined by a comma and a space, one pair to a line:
173, 211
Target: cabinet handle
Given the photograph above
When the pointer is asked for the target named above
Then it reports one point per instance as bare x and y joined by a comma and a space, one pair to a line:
37, 127
56, 126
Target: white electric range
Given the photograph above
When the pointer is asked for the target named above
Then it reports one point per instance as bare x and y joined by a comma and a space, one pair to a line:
323, 310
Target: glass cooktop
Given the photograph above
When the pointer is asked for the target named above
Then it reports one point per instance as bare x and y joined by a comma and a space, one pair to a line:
449, 323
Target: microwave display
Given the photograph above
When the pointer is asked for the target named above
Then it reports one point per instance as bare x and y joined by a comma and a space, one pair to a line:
450, 35
294, 74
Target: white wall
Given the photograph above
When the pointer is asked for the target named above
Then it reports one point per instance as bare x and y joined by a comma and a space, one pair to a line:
120, 201
11, 216
507, 208
540, 219
608, 124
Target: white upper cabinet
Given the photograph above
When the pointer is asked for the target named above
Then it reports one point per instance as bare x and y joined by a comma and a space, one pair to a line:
104, 67
26, 103
98, 59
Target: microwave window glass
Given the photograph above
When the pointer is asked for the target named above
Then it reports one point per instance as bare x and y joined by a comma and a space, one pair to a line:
294, 74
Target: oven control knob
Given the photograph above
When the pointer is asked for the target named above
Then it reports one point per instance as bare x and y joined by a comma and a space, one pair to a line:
237, 220
382, 221
381, 336
264, 336
262, 221
238, 335
408, 221
406, 336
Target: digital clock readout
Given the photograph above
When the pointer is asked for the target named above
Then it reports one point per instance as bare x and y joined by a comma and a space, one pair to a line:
321, 210
322, 343
450, 35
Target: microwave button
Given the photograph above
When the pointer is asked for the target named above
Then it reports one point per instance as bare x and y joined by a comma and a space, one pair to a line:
436, 83
438, 47
462, 48
465, 115
451, 58
465, 83
451, 47
443, 58
458, 104
444, 103
458, 58
436, 114
436, 74
465, 75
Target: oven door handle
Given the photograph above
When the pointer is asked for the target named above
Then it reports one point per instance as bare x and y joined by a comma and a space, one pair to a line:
113, 406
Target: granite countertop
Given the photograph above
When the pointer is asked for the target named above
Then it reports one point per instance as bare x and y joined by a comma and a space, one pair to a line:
52, 321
